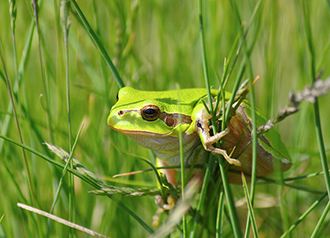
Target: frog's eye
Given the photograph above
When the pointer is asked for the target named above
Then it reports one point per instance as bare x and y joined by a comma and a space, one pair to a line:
150, 112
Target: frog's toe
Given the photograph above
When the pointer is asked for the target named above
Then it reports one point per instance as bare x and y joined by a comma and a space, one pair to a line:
162, 207
235, 162
222, 152
165, 206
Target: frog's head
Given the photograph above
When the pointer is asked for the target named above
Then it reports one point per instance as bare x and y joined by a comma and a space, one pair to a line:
147, 113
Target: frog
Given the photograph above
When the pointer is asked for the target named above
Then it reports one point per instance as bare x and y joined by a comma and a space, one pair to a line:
155, 119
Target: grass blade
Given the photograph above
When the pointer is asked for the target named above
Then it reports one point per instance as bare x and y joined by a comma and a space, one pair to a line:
99, 45
10, 92
60, 220
318, 127
249, 203
84, 175
64, 15
321, 220
45, 83
64, 171
303, 216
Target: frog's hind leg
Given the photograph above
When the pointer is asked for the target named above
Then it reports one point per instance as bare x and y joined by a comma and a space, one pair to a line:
170, 173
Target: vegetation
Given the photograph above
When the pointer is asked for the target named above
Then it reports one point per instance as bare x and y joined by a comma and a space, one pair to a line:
62, 63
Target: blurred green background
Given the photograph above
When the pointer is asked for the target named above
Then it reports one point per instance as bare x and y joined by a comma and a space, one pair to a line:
154, 44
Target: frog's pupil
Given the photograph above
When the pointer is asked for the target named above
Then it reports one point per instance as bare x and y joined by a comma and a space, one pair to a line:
150, 111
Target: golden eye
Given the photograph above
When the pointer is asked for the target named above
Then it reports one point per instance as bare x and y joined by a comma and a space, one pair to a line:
150, 112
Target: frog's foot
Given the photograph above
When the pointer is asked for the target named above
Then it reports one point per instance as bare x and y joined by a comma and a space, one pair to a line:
155, 218
162, 207
203, 129
165, 206
232, 161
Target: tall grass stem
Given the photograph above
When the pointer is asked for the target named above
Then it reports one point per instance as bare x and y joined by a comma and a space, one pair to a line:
308, 31
99, 45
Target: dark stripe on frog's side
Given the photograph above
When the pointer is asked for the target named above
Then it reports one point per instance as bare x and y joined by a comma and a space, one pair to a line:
172, 119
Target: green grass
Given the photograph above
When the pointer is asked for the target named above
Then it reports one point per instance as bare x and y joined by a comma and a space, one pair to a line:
155, 45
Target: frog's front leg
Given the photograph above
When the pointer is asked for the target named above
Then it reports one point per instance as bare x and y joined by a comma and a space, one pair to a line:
208, 140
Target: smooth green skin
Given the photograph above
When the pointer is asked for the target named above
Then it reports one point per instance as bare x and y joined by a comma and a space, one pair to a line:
132, 124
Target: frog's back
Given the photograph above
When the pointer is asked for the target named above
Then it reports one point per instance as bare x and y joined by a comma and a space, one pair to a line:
167, 100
